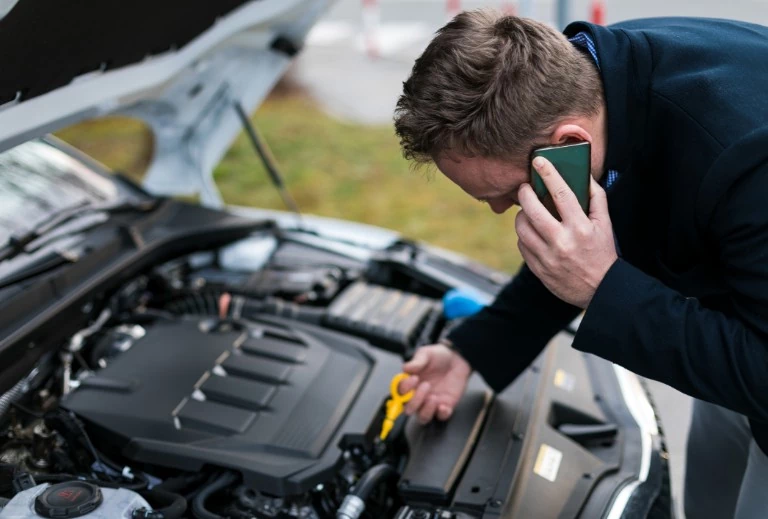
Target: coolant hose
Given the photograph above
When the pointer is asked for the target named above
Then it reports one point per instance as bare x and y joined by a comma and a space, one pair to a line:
250, 308
172, 506
239, 306
178, 484
198, 504
354, 504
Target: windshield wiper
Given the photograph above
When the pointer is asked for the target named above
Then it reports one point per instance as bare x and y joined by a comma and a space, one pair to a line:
49, 262
17, 244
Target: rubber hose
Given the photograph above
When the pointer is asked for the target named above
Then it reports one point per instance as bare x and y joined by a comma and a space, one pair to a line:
371, 479
198, 504
354, 504
246, 307
178, 484
280, 308
172, 506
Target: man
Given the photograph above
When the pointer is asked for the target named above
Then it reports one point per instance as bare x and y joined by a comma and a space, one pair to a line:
670, 264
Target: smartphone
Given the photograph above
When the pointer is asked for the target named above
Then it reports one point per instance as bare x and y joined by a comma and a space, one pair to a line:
573, 162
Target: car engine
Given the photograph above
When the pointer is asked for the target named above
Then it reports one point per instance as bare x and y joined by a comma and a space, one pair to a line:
249, 381
268, 398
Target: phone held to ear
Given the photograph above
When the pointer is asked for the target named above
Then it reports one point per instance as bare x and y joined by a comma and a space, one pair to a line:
572, 161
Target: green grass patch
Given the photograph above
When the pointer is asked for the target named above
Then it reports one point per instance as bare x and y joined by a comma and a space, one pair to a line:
333, 169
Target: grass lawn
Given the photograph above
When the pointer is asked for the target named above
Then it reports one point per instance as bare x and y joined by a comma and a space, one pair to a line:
332, 169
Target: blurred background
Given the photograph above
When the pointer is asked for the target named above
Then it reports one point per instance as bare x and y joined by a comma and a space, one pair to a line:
329, 123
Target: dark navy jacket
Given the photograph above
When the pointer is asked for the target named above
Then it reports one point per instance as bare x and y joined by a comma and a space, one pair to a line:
687, 302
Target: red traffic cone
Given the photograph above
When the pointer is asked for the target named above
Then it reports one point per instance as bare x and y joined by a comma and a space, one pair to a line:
452, 8
598, 12
370, 28
509, 8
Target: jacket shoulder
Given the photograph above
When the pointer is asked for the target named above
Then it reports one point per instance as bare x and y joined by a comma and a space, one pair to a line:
747, 157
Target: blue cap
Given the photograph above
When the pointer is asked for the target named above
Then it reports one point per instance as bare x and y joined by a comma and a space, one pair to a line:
461, 303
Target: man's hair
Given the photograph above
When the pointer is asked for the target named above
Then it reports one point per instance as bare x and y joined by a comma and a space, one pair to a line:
490, 85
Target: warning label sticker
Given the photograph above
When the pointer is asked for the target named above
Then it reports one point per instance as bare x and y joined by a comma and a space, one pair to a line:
548, 462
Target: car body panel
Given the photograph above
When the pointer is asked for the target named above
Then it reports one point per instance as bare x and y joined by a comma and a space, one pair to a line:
186, 95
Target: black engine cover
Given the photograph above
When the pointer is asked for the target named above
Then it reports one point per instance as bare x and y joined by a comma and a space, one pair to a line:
270, 398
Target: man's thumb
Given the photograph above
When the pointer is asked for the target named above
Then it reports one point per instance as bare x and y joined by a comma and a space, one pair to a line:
417, 363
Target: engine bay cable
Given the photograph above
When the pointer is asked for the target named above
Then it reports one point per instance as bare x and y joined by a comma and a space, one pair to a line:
168, 505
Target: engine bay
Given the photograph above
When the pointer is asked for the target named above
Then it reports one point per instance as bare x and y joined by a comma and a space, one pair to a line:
249, 380
204, 365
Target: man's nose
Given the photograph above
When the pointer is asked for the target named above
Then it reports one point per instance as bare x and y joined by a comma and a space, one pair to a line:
499, 206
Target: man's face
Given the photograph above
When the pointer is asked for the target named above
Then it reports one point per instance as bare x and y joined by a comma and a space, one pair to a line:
494, 182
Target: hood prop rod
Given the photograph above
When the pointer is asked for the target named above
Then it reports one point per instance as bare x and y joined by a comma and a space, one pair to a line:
264, 153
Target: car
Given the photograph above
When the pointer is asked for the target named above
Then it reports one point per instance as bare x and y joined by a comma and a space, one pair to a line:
164, 359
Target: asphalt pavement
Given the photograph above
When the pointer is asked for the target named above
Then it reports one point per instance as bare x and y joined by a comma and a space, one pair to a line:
356, 73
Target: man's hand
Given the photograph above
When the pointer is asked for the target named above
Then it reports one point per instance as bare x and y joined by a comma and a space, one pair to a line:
571, 256
439, 375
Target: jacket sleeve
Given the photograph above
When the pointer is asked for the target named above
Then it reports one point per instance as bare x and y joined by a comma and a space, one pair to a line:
501, 340
721, 357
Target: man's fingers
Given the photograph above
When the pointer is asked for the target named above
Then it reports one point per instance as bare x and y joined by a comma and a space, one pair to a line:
541, 219
444, 412
563, 196
427, 412
408, 384
598, 201
415, 403
530, 259
527, 233
417, 363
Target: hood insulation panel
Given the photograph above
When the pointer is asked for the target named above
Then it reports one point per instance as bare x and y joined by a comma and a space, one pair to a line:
48, 43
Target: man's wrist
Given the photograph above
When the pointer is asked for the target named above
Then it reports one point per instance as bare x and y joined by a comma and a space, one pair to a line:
451, 346
448, 343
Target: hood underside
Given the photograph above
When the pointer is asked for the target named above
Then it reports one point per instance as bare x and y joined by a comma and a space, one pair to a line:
180, 66
53, 42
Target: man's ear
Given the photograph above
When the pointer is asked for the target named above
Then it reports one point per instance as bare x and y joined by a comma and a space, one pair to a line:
570, 133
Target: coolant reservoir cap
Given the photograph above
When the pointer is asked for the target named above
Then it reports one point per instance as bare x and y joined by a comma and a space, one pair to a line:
71, 499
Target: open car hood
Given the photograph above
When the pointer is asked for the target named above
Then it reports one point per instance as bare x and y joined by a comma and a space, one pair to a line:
178, 65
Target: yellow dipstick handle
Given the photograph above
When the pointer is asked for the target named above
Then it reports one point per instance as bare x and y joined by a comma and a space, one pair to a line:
394, 404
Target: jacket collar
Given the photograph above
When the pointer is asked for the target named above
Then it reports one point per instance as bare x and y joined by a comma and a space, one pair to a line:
625, 68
